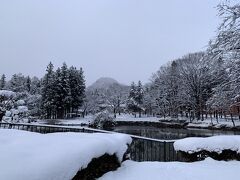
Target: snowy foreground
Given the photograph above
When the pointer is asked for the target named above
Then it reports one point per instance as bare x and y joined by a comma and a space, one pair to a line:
212, 144
57, 156
205, 170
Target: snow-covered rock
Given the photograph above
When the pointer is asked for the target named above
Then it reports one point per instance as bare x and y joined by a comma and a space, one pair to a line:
211, 144
55, 156
205, 170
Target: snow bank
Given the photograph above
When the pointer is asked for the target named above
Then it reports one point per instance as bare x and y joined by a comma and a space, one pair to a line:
56, 156
204, 170
7, 94
212, 144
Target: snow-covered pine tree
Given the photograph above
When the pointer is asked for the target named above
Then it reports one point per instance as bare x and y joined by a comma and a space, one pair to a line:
48, 93
58, 95
28, 84
132, 105
35, 86
17, 83
77, 87
2, 82
66, 93
82, 86
139, 97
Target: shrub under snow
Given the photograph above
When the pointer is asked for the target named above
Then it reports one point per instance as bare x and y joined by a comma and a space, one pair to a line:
104, 120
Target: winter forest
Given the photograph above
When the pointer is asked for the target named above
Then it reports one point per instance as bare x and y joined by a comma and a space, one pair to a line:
172, 119
197, 86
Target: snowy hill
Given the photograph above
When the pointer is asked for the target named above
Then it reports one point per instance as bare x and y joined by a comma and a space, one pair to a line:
104, 83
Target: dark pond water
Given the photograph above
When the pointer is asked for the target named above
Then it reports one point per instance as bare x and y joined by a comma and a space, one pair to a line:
170, 133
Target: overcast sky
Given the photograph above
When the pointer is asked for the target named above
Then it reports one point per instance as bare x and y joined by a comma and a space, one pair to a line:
124, 39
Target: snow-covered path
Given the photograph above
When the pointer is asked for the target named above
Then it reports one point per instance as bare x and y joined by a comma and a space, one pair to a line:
206, 170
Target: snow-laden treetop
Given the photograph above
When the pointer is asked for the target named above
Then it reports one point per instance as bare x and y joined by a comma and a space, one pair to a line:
7, 94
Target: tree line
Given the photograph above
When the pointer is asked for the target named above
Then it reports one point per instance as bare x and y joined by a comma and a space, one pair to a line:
203, 84
63, 91
58, 93
197, 85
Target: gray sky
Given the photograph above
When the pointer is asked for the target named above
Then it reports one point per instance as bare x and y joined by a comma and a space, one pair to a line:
124, 39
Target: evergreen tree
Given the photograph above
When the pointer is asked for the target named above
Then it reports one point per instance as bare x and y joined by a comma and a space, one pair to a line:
35, 86
2, 82
28, 84
59, 95
63, 91
17, 83
132, 104
48, 92
77, 87
139, 97
65, 88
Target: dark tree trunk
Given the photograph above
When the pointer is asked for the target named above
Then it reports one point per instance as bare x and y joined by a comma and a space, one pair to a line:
232, 120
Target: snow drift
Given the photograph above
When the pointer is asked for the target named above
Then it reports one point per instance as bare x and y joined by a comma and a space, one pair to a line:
56, 156
211, 144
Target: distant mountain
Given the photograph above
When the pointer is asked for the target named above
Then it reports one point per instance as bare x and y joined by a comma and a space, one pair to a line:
104, 83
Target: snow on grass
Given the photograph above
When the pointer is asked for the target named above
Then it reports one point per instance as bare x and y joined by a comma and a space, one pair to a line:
131, 118
56, 156
205, 170
212, 144
222, 122
75, 121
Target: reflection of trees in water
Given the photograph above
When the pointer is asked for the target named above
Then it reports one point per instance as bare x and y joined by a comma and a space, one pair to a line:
145, 150
170, 133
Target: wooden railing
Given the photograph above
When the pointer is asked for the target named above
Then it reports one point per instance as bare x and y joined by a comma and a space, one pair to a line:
141, 149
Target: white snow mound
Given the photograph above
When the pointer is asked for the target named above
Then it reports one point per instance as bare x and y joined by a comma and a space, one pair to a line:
212, 144
205, 170
55, 156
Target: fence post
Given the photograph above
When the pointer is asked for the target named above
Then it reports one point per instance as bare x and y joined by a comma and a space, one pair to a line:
164, 151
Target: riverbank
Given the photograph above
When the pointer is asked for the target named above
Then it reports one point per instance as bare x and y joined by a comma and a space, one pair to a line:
130, 120
180, 123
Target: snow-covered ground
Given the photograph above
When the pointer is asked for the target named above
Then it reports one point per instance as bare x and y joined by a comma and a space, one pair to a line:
131, 118
89, 120
205, 170
57, 156
220, 124
211, 144
76, 121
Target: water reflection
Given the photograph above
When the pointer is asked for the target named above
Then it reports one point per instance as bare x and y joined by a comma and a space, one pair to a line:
170, 133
